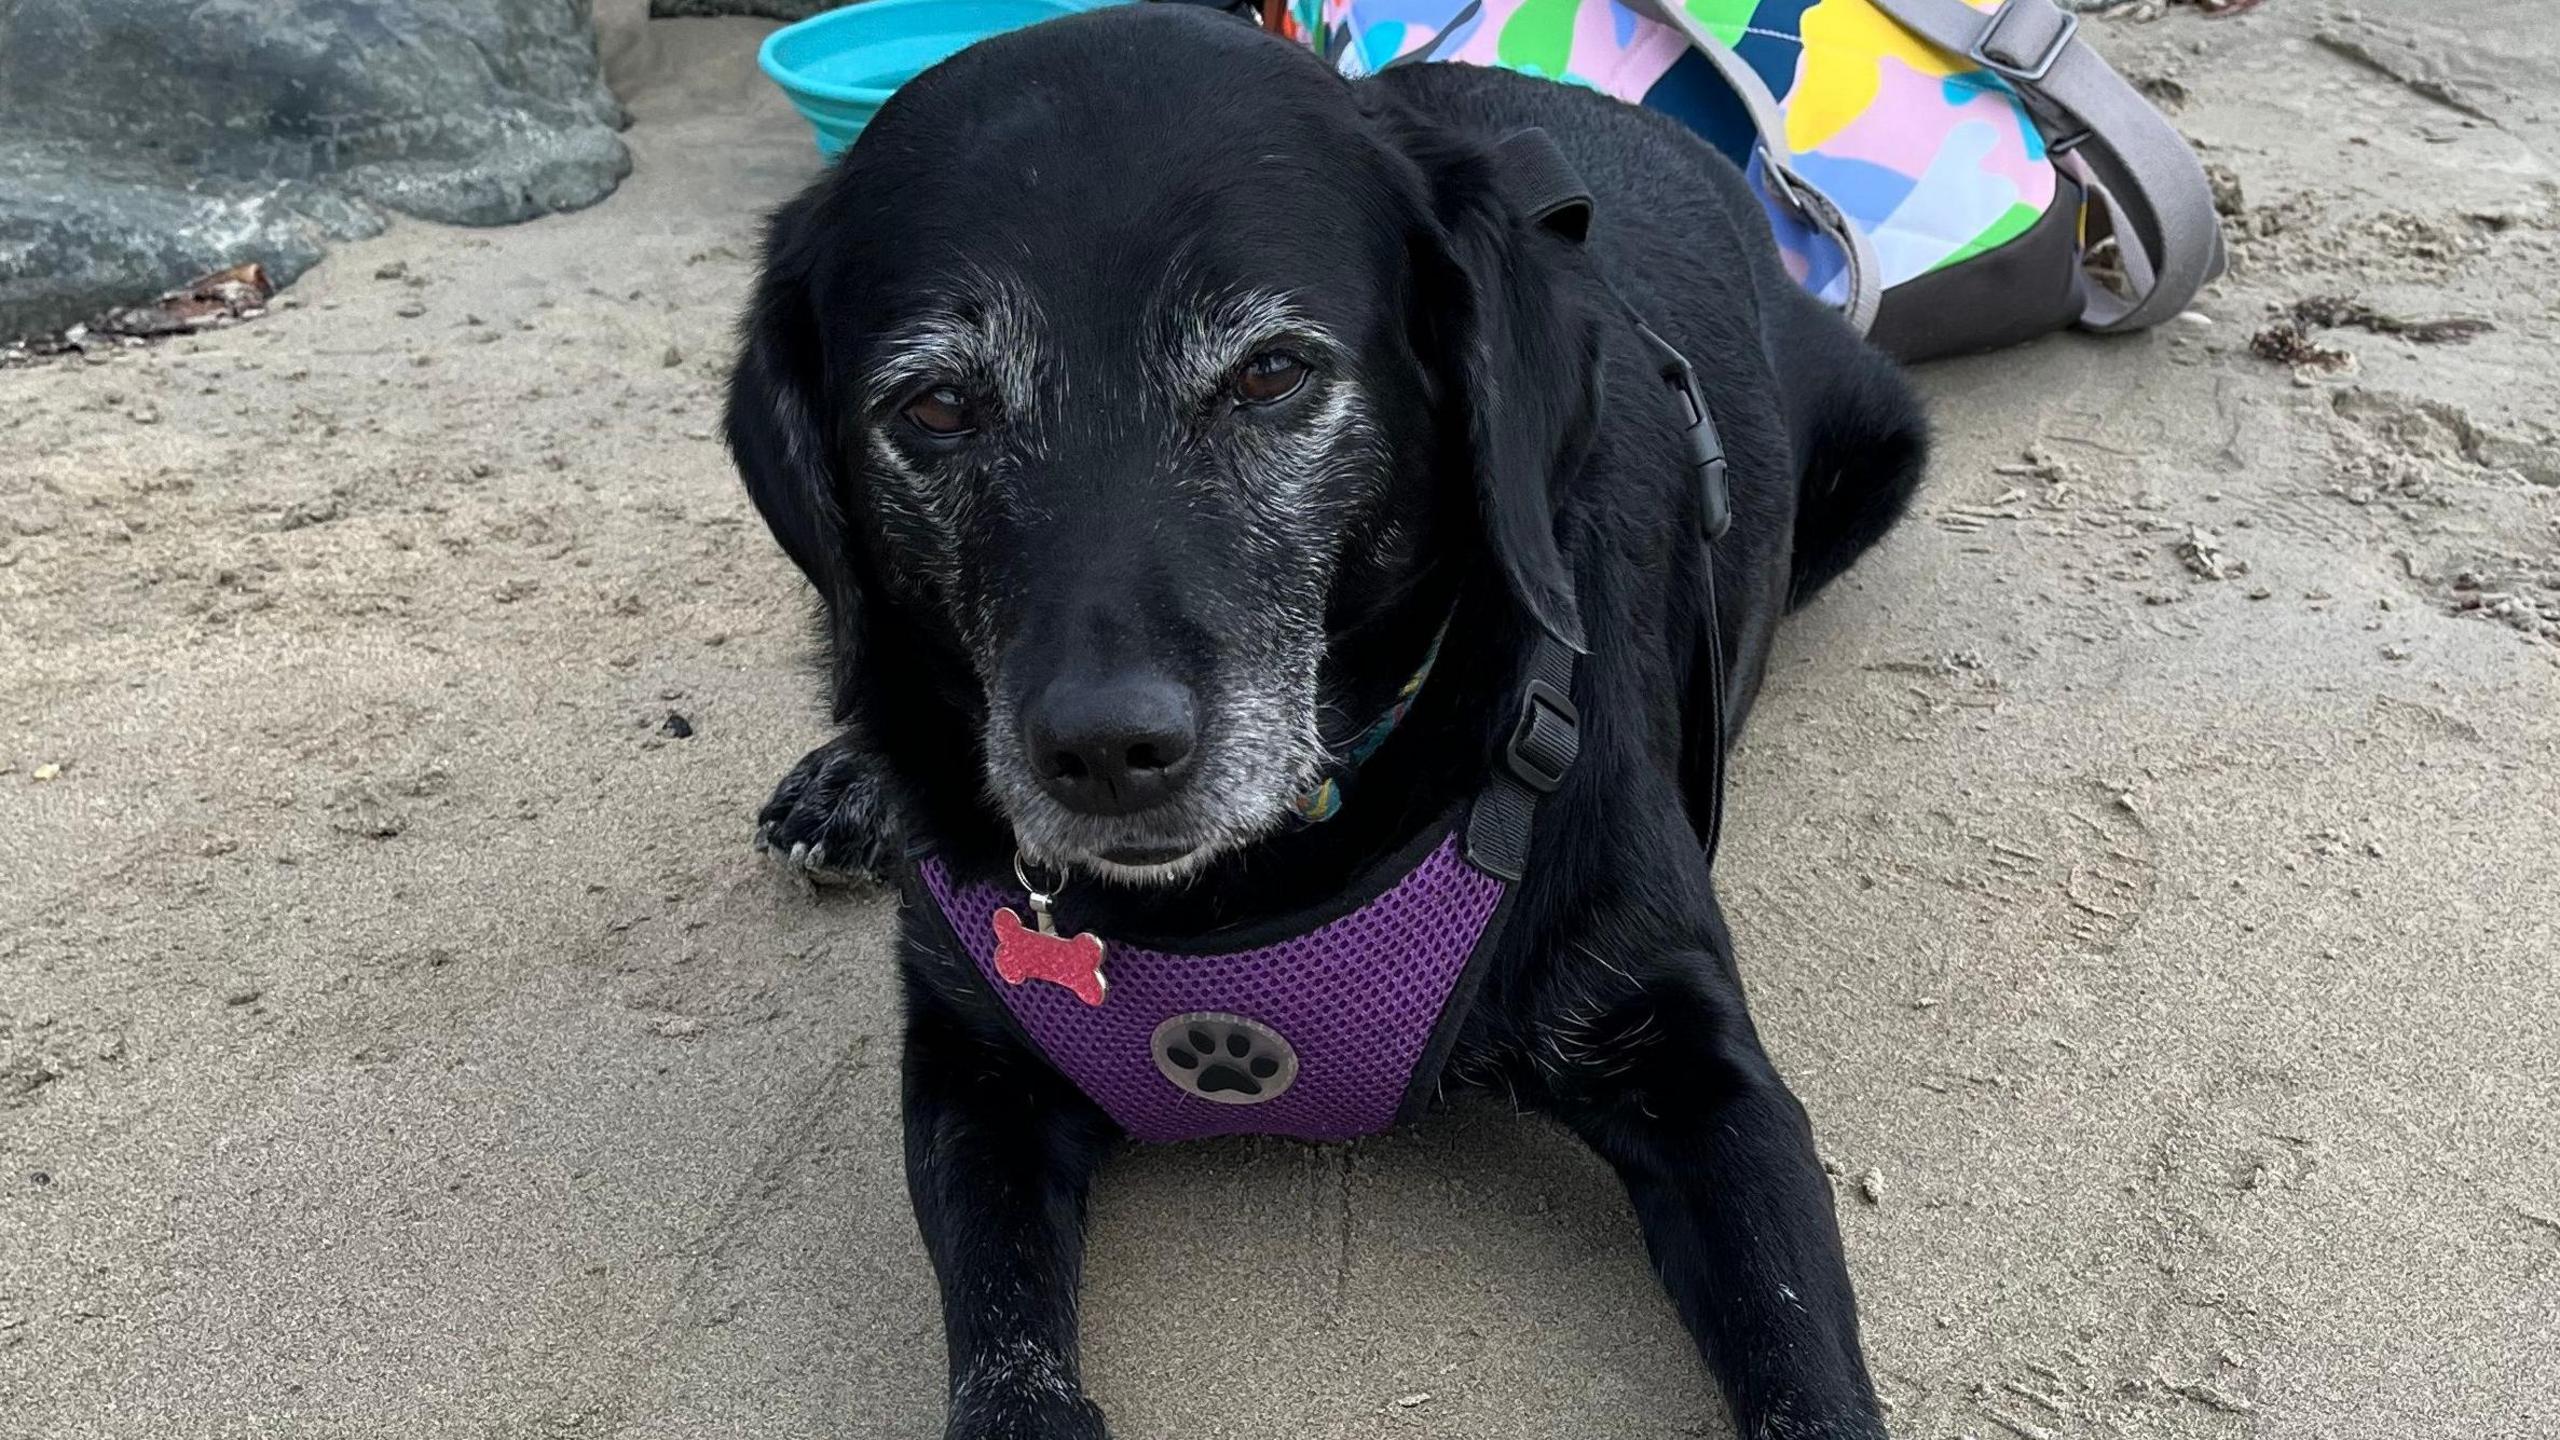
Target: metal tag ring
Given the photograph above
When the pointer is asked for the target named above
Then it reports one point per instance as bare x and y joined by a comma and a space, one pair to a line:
1041, 898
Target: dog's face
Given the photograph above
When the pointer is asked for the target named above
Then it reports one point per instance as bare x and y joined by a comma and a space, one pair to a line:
1128, 487
1124, 355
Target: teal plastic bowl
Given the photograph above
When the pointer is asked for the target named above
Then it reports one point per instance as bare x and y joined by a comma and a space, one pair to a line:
839, 66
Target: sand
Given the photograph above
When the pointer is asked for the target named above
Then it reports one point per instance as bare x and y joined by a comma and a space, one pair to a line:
398, 1036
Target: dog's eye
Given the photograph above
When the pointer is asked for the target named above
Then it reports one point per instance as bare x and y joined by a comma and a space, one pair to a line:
1268, 378
942, 412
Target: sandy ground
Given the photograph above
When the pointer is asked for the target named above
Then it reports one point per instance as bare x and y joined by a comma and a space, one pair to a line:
398, 1037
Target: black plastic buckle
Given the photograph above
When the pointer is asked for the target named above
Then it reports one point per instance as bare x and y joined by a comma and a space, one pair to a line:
2031, 72
1698, 437
1548, 737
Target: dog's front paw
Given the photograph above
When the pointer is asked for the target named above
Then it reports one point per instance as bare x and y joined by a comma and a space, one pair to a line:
1024, 1413
829, 818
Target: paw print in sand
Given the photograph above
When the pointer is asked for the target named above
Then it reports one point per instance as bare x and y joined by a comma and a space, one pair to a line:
1225, 1058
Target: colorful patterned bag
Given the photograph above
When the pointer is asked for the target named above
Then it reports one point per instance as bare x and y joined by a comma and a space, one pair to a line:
1940, 169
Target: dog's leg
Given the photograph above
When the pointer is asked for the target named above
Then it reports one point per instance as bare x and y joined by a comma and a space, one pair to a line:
829, 816
1664, 1077
1000, 1151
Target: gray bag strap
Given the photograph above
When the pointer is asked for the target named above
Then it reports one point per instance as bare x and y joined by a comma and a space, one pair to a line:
2152, 185
1865, 274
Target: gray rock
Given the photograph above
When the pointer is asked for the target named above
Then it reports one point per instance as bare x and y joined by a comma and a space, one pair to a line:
152, 140
77, 237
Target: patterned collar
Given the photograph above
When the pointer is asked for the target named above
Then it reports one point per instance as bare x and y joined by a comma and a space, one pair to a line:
1323, 800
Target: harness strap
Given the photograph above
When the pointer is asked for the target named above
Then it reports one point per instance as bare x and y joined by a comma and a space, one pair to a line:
2153, 187
1545, 740
1709, 709
1543, 186
1536, 180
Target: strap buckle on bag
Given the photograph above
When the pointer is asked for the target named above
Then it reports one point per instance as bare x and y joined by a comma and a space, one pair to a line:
1548, 737
2044, 29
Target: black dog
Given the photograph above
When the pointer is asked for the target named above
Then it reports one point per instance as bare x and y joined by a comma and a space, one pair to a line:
1142, 400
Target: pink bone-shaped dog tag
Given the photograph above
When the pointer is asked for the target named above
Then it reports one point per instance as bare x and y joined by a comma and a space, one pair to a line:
1073, 962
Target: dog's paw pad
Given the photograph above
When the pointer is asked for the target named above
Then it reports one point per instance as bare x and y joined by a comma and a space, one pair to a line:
1225, 1058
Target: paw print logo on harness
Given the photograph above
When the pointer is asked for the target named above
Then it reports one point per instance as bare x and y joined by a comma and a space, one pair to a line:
1225, 1058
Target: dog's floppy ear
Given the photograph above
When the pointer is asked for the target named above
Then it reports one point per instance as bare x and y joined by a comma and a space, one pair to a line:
778, 429
1514, 359
776, 435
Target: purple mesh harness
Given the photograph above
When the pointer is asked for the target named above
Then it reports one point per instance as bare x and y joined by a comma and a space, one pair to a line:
1355, 1001
1341, 1029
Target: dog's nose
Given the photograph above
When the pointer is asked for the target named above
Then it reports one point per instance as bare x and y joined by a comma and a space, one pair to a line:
1112, 746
